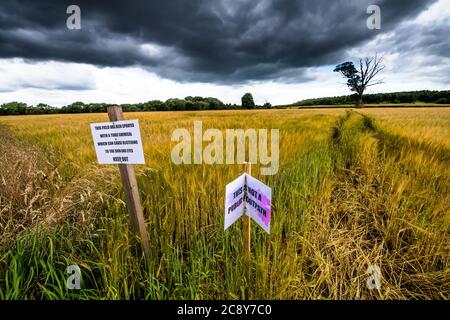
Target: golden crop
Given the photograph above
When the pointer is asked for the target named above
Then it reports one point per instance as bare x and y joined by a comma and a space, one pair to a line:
354, 189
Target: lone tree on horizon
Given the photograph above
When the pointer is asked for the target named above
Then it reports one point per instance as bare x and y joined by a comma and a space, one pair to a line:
359, 80
247, 101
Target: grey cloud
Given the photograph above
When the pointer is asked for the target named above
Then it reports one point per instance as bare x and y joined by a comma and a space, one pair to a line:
207, 41
80, 86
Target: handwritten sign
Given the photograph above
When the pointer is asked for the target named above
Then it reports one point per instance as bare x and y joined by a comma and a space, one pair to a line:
118, 142
249, 195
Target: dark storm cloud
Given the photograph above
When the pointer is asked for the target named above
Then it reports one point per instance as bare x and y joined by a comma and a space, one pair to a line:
423, 47
198, 40
431, 40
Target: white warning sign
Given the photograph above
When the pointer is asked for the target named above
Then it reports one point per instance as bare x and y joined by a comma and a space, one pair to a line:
118, 142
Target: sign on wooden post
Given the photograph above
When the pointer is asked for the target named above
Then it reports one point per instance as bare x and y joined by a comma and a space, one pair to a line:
119, 142
249, 196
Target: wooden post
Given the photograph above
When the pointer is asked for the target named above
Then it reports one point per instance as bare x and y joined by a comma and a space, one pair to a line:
131, 191
247, 220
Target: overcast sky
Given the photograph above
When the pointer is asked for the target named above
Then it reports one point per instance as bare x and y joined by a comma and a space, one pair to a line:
280, 50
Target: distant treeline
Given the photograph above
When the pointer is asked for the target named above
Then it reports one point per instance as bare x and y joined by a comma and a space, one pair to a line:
208, 103
426, 96
188, 103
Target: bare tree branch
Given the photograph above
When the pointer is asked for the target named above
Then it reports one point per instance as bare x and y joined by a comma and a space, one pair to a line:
360, 80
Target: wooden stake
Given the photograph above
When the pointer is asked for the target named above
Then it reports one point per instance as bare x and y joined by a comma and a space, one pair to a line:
131, 191
247, 220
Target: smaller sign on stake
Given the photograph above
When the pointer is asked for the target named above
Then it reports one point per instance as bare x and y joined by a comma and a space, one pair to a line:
234, 201
251, 194
258, 202
118, 142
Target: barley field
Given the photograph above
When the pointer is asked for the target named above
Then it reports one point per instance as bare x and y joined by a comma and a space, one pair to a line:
355, 188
